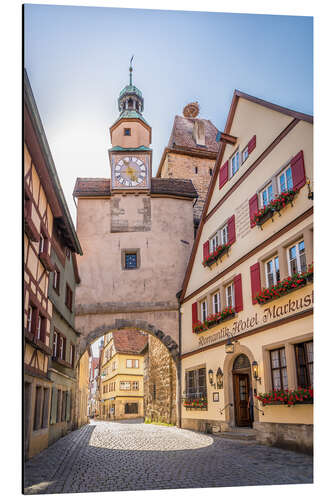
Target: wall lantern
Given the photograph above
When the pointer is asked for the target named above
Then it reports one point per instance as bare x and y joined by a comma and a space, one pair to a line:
229, 347
310, 193
255, 372
219, 378
211, 377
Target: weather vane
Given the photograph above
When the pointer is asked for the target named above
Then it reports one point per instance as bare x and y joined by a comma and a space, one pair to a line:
131, 69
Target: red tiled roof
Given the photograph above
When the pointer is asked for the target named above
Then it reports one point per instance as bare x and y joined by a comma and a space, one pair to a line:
182, 135
101, 187
129, 341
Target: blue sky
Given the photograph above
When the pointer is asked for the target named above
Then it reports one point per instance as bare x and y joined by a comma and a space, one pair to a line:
77, 60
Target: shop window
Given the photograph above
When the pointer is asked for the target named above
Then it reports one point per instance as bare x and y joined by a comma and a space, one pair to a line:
304, 363
279, 369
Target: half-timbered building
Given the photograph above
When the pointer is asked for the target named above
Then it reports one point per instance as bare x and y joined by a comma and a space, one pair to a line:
45, 211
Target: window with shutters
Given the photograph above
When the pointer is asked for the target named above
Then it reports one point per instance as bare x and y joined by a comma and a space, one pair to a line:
229, 295
296, 258
216, 299
56, 280
214, 242
304, 364
272, 271
203, 308
285, 180
266, 195
234, 163
224, 234
195, 383
279, 369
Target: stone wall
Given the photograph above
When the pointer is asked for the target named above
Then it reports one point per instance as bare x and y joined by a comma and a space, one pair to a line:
160, 382
296, 437
184, 167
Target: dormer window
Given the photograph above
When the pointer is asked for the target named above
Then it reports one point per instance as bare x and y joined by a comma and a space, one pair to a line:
127, 131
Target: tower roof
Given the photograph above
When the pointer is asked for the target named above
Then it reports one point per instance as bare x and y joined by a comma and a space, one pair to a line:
130, 89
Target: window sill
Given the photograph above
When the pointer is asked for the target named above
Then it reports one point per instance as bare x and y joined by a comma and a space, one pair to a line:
61, 362
282, 403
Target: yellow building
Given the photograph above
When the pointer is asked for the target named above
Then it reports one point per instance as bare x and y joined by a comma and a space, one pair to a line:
82, 389
247, 298
122, 368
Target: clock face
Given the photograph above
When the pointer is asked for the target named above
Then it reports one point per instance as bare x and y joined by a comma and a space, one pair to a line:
130, 172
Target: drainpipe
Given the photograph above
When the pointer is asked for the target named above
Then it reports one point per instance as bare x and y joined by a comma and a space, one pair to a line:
179, 365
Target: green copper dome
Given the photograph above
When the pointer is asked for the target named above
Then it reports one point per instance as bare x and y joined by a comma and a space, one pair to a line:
131, 89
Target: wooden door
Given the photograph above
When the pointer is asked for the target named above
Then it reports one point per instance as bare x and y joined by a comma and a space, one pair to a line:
241, 397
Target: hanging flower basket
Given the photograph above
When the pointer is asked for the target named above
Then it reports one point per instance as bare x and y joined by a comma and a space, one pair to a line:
214, 319
285, 286
216, 255
286, 397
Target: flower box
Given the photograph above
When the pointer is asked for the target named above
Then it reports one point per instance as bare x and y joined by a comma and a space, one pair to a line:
195, 404
276, 205
213, 320
286, 397
216, 255
285, 286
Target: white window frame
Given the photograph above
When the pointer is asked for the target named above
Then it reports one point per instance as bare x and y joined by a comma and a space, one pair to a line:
245, 152
135, 385
214, 242
29, 318
230, 286
224, 234
129, 363
216, 303
274, 270
41, 243
204, 310
284, 173
55, 344
265, 190
135, 363
236, 153
298, 256
39, 326
123, 383
61, 347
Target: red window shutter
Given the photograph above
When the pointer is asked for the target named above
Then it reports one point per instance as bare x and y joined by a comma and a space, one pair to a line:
194, 313
238, 293
252, 144
298, 171
231, 230
223, 174
206, 250
255, 281
253, 206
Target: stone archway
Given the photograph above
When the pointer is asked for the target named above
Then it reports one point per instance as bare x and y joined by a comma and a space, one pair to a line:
137, 324
228, 381
163, 370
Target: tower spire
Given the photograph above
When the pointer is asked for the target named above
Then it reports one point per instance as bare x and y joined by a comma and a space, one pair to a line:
131, 69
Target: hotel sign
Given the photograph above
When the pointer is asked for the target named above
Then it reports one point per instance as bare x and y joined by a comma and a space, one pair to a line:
267, 315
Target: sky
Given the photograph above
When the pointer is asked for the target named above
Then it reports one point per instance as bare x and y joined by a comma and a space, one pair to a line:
77, 60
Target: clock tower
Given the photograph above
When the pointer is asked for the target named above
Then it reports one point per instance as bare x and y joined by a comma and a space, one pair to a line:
130, 155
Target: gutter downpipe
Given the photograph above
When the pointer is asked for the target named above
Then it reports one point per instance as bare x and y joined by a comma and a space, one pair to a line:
179, 366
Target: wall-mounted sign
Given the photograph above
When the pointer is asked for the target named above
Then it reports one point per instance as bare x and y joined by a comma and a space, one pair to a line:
264, 316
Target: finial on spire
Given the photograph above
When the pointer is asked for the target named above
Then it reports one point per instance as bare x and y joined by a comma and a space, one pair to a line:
131, 69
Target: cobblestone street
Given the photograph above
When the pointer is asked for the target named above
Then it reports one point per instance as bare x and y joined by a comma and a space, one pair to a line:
106, 456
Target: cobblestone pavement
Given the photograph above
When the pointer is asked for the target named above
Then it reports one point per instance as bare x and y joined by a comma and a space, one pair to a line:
111, 456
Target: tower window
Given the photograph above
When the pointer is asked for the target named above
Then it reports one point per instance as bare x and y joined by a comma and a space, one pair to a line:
127, 131
210, 171
196, 170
